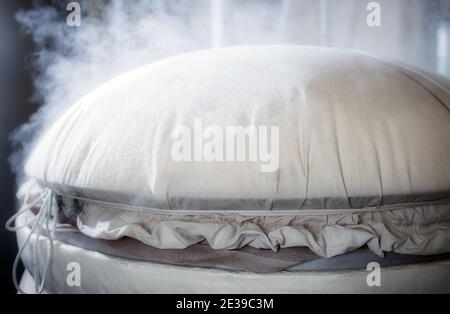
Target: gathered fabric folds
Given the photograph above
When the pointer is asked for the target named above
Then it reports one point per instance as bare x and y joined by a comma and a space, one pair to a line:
416, 230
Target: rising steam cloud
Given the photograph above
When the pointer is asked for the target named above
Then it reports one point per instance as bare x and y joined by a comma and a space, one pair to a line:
118, 35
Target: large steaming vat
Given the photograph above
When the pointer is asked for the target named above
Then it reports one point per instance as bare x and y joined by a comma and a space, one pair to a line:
364, 160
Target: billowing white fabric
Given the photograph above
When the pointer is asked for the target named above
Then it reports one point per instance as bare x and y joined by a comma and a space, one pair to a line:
354, 132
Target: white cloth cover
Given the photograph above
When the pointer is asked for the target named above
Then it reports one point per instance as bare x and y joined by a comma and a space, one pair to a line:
354, 132
364, 154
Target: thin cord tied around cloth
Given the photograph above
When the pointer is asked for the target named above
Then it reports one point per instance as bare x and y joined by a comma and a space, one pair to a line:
39, 224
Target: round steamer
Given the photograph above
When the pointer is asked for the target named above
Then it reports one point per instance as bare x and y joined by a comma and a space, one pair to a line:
343, 130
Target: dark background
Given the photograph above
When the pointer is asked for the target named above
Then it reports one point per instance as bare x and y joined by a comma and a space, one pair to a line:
15, 108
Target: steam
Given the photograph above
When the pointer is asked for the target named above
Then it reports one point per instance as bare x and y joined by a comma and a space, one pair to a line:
119, 35
115, 37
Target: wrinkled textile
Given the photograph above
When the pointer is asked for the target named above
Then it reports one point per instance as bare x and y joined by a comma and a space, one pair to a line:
101, 273
417, 230
244, 259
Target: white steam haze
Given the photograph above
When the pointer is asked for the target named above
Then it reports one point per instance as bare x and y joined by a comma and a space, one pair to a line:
115, 37
119, 35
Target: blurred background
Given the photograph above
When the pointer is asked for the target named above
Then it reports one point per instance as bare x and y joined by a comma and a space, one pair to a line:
46, 65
